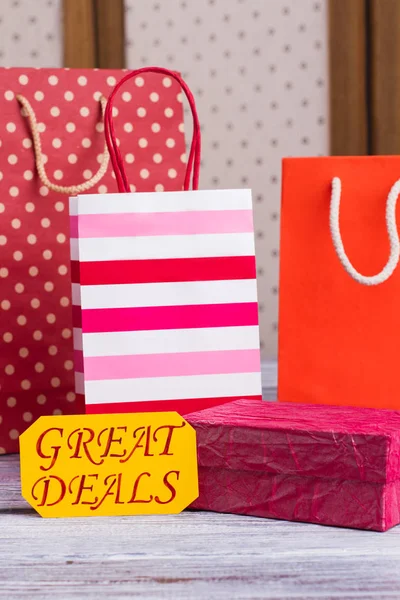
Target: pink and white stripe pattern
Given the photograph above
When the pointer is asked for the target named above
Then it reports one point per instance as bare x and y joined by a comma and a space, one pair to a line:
165, 300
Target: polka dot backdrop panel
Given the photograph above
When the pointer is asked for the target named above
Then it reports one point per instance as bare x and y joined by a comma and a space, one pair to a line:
30, 33
258, 69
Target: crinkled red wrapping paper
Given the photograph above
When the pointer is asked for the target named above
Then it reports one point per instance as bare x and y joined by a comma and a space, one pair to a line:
319, 464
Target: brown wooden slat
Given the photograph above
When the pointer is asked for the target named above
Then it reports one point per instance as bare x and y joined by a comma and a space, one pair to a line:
110, 34
385, 77
348, 86
79, 34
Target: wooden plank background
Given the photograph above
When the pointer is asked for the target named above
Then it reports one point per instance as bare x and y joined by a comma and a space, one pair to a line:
348, 72
364, 66
94, 34
110, 34
385, 77
79, 34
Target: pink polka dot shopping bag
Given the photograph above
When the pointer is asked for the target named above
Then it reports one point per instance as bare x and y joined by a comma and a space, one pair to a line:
51, 147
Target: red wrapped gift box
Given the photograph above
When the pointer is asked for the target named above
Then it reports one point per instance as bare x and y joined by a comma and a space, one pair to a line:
319, 464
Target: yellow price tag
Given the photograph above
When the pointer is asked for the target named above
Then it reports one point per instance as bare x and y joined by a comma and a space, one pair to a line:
109, 464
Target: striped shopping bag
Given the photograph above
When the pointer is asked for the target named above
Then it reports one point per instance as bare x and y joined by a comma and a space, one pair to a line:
164, 292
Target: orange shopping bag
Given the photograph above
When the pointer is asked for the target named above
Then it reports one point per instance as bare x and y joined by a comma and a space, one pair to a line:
339, 324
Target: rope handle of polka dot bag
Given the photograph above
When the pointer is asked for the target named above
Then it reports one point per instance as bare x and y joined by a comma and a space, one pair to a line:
71, 190
193, 163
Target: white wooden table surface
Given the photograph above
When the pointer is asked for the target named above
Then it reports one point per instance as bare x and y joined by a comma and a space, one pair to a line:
192, 555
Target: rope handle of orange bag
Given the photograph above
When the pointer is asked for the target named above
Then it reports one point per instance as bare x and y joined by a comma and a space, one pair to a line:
115, 153
391, 228
71, 190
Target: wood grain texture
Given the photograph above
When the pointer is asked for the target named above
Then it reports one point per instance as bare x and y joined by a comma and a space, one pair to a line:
79, 34
195, 555
385, 77
110, 34
348, 83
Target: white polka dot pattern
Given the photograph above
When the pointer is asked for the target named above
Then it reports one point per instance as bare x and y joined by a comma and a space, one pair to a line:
36, 351
258, 71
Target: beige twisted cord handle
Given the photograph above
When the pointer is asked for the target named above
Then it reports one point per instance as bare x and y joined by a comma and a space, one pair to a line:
37, 144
